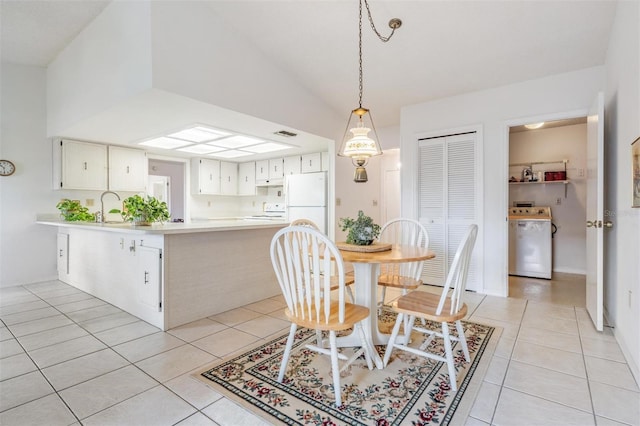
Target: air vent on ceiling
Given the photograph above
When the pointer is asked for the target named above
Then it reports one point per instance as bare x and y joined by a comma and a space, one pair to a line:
285, 133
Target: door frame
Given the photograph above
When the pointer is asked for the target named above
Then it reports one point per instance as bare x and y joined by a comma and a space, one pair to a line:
563, 115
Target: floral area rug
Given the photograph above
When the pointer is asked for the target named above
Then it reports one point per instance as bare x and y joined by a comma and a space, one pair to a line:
410, 390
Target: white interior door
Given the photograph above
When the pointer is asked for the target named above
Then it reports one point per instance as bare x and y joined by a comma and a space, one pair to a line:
595, 212
158, 187
448, 187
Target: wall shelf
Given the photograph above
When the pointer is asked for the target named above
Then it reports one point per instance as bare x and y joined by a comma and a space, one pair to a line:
530, 164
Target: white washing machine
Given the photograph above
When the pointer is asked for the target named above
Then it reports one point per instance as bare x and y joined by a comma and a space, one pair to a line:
530, 246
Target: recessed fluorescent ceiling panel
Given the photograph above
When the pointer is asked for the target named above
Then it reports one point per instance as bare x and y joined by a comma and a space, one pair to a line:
237, 141
199, 134
165, 142
201, 149
233, 153
266, 147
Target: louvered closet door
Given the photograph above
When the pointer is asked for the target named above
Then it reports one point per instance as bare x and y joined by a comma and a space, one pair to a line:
447, 183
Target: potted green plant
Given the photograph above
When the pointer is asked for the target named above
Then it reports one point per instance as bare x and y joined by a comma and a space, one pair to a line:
141, 211
73, 211
362, 231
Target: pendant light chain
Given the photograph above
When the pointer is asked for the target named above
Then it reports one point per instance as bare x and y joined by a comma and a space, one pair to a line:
393, 24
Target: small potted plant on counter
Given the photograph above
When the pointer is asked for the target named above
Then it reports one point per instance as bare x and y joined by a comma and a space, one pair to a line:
73, 211
141, 211
361, 231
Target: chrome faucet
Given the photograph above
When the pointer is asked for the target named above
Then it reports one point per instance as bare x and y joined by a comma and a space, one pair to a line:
102, 203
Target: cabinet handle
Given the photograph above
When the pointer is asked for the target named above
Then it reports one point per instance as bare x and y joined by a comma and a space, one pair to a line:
211, 176
127, 169
228, 178
146, 277
85, 165
60, 252
309, 163
246, 178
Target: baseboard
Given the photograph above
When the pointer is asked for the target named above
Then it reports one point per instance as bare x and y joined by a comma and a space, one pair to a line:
631, 362
570, 271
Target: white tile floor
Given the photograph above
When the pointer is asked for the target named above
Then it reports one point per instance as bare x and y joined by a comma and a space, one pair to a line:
69, 358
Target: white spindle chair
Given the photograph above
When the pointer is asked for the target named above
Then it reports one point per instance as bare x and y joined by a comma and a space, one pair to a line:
443, 308
297, 251
405, 276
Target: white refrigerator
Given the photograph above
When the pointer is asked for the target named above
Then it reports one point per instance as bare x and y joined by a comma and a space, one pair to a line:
306, 198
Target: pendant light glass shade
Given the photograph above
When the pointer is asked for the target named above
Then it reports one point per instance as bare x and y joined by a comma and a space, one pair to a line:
360, 140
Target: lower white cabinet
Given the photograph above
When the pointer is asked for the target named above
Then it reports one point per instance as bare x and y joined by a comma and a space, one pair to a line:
63, 255
149, 277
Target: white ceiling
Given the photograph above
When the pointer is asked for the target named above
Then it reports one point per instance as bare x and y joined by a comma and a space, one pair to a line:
443, 48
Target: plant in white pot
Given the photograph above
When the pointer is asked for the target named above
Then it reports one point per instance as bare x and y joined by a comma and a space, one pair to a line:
362, 231
141, 211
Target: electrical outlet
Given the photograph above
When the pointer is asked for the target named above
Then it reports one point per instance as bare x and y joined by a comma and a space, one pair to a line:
90, 202
208, 203
375, 203
558, 201
580, 172
338, 201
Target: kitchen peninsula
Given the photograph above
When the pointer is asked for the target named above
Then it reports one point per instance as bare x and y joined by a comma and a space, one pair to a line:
173, 273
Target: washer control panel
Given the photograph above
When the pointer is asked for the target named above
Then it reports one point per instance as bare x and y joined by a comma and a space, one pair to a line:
531, 212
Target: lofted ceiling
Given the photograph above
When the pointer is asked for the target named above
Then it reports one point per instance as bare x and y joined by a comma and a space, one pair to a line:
444, 48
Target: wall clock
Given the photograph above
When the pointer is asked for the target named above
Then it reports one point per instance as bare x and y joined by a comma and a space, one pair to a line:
6, 168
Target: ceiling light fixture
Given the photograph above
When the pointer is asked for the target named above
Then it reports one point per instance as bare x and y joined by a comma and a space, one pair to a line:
356, 142
534, 126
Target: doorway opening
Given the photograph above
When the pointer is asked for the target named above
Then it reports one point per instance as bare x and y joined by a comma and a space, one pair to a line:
547, 191
167, 183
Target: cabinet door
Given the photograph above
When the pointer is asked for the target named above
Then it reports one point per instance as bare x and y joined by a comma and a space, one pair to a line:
311, 163
247, 178
205, 176
262, 170
276, 168
291, 165
63, 256
149, 279
228, 178
84, 165
127, 169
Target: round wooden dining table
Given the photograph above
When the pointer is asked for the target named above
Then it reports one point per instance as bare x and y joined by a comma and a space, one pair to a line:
366, 266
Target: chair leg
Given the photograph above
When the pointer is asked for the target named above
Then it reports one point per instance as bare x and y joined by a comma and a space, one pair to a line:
463, 341
319, 339
449, 356
335, 368
368, 356
350, 294
392, 339
287, 352
409, 321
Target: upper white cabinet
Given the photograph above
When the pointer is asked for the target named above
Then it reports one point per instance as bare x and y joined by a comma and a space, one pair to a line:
247, 178
311, 163
228, 178
291, 165
205, 176
325, 161
79, 165
262, 170
276, 168
127, 169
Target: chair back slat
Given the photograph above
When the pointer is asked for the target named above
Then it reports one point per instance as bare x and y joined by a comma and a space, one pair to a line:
457, 277
298, 251
406, 232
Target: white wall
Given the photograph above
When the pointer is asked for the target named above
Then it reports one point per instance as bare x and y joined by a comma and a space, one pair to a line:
553, 144
622, 126
494, 110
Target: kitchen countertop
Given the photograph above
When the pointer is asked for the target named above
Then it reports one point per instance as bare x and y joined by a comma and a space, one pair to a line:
208, 225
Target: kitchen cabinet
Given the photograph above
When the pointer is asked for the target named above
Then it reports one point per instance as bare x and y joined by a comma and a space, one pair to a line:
63, 255
324, 161
79, 165
276, 168
311, 163
127, 169
149, 278
247, 178
228, 178
262, 171
205, 176
291, 165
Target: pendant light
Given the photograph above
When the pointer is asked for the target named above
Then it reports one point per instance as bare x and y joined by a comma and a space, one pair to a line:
360, 140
